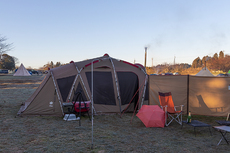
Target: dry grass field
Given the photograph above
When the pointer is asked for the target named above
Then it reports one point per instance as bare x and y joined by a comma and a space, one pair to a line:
112, 133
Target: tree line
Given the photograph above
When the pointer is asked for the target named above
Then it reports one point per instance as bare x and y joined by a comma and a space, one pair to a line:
8, 62
168, 68
51, 65
218, 62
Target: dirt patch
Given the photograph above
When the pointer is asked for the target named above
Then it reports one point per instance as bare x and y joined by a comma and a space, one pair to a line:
111, 133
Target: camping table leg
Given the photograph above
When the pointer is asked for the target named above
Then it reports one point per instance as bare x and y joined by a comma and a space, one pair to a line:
223, 136
210, 131
195, 124
195, 131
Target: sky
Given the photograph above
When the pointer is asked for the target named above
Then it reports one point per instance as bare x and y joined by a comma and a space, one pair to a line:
74, 30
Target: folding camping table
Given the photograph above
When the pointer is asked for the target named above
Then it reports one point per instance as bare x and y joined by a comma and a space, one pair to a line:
222, 122
195, 124
223, 131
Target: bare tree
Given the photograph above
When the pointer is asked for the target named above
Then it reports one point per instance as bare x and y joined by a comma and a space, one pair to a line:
4, 47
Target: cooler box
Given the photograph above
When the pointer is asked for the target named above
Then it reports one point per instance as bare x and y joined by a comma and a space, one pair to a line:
84, 106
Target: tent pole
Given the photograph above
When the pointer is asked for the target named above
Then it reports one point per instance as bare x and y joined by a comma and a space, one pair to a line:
115, 76
92, 99
85, 89
57, 92
72, 87
143, 95
187, 94
79, 71
146, 80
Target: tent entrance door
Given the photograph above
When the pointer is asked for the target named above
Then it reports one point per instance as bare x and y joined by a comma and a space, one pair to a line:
129, 84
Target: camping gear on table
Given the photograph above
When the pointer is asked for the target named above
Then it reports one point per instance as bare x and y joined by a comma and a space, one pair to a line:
79, 106
171, 112
189, 119
152, 116
85, 105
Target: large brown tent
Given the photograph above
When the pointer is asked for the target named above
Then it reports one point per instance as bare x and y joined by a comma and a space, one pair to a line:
117, 86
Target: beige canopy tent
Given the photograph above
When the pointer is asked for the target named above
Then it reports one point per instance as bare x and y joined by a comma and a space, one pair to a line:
117, 86
204, 72
22, 71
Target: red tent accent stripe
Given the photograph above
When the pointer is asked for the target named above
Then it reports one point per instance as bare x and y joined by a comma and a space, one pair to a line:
130, 64
91, 63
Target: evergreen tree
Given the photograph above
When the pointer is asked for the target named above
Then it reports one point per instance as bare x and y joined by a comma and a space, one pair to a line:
51, 64
4, 47
215, 56
197, 63
58, 64
221, 54
7, 62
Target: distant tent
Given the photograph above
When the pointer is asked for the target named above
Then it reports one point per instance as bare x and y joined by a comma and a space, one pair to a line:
229, 71
22, 71
204, 72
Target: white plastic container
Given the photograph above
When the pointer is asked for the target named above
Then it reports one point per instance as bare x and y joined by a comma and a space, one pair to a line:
70, 117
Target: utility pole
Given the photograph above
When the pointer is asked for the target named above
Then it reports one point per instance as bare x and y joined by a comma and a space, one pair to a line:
145, 55
174, 60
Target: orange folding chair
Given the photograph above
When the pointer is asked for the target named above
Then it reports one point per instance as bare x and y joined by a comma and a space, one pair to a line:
171, 112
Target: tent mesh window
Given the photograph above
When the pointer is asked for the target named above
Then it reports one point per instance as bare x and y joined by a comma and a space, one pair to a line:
103, 89
65, 85
78, 89
129, 84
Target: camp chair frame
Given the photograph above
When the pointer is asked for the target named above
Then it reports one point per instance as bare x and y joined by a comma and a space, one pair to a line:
227, 117
174, 114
